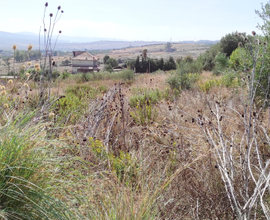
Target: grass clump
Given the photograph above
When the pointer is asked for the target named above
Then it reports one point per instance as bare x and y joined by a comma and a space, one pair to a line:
24, 183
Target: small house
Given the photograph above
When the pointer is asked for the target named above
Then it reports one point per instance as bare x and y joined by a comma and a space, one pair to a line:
83, 61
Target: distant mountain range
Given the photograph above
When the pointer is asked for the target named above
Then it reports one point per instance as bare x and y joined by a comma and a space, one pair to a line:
69, 43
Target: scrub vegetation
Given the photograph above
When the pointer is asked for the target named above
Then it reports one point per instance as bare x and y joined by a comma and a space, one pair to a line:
191, 142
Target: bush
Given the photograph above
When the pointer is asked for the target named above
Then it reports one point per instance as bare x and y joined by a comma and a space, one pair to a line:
230, 42
181, 80
144, 113
221, 63
108, 68
85, 77
207, 58
240, 59
144, 95
72, 106
208, 85
231, 79
65, 75
111, 61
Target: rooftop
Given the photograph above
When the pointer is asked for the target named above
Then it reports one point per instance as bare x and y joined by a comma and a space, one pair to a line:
83, 55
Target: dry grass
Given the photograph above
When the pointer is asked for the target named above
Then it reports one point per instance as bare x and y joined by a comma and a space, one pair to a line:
113, 167
175, 176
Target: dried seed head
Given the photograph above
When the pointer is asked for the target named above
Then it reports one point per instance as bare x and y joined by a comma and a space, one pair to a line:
14, 47
10, 81
36, 65
46, 4
5, 105
25, 85
23, 66
29, 47
27, 74
62, 11
45, 29
60, 32
253, 33
59, 7
240, 44
51, 115
257, 41
3, 93
29, 63
51, 14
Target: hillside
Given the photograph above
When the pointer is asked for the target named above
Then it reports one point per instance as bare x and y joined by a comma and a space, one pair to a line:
69, 43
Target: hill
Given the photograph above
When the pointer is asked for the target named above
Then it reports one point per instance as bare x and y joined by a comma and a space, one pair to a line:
69, 43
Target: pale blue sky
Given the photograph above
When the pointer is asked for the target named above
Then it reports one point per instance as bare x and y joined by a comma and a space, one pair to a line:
137, 19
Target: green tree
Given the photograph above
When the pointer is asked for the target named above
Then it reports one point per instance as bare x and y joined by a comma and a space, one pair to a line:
108, 68
221, 63
144, 53
105, 58
188, 59
6, 60
161, 64
111, 61
19, 56
230, 42
208, 58
264, 14
168, 47
66, 63
170, 64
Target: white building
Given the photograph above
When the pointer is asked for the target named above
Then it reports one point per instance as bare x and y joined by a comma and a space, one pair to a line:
84, 62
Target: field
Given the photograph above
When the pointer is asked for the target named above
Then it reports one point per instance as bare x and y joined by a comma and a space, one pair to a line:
154, 51
118, 146
180, 144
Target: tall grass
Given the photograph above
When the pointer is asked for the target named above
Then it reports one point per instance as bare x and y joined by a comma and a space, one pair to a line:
24, 181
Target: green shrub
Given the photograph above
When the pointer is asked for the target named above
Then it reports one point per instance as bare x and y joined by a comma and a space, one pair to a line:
144, 113
179, 80
85, 77
46, 74
230, 79
65, 75
123, 165
73, 105
207, 58
108, 68
240, 59
208, 85
143, 95
221, 63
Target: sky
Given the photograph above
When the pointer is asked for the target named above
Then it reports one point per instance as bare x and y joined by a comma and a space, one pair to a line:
147, 20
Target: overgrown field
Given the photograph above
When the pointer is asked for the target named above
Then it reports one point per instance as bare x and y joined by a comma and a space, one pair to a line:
119, 146
189, 143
